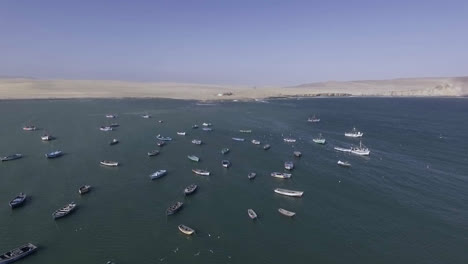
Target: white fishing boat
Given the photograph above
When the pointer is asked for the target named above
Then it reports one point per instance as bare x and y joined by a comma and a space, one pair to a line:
344, 163
266, 147
201, 172
67, 209
281, 175
361, 150
255, 142
245, 131
289, 165
238, 139
206, 124
197, 142
252, 214
342, 149
319, 139
313, 119
207, 129
289, 192
159, 137
106, 128
193, 158
251, 175
146, 116
109, 163
47, 137
181, 133
289, 140
160, 143
111, 116
157, 174
153, 153
354, 133
29, 128
286, 212
186, 230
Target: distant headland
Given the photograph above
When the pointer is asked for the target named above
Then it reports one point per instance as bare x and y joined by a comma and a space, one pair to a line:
24, 88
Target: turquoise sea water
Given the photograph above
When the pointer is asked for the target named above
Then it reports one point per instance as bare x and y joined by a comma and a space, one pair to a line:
405, 203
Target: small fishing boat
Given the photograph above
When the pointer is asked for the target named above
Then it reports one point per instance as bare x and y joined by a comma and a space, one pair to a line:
114, 125
225, 151
313, 119
252, 213
157, 174
266, 146
17, 253
289, 165
255, 142
113, 142
297, 154
206, 124
186, 230
146, 116
286, 212
238, 139
193, 158
245, 131
174, 208
54, 154
84, 189
319, 139
181, 133
344, 163
361, 150
67, 209
197, 141
190, 189
12, 157
251, 175
194, 126
201, 172
106, 128
18, 201
109, 163
289, 192
226, 163
354, 133
342, 149
281, 175
159, 137
160, 143
111, 116
153, 153
207, 129
47, 137
289, 140
29, 128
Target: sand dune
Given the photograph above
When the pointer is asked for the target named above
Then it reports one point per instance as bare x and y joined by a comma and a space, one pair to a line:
23, 88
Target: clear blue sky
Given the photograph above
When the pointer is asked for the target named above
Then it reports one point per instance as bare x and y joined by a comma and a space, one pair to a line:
237, 42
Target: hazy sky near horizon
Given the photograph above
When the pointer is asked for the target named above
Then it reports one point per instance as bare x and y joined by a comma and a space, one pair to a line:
233, 42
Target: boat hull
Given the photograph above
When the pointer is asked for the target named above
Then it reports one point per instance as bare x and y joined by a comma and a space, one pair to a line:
290, 193
18, 253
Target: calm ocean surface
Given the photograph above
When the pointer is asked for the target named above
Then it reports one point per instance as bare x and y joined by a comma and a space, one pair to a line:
405, 203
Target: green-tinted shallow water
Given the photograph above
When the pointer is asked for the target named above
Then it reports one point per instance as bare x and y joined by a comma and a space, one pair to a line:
406, 203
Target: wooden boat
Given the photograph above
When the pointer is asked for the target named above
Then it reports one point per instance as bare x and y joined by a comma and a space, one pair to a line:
174, 208
84, 189
12, 157
194, 126
54, 154
160, 143
64, 211
252, 213
201, 172
266, 147
193, 158
225, 151
158, 174
286, 212
186, 230
114, 141
109, 163
281, 175
289, 192
207, 129
17, 253
344, 163
297, 154
18, 201
190, 189
251, 175
226, 163
114, 125
153, 153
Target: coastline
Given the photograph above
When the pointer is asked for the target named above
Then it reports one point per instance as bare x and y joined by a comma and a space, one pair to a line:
20, 88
